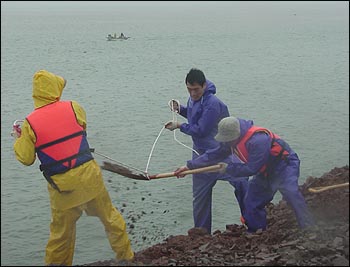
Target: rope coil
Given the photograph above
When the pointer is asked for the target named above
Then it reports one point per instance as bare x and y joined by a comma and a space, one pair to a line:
175, 113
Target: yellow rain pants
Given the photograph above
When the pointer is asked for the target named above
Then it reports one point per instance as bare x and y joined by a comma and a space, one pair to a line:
60, 247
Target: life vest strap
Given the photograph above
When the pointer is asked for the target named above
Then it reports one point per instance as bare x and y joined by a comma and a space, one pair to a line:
45, 167
60, 140
51, 182
281, 155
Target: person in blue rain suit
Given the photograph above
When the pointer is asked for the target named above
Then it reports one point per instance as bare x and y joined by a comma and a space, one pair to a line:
203, 112
265, 155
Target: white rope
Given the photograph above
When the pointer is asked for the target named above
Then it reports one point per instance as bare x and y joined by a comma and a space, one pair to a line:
175, 120
154, 144
184, 144
155, 141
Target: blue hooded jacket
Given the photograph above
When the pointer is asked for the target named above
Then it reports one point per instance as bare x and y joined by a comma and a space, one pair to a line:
259, 147
203, 117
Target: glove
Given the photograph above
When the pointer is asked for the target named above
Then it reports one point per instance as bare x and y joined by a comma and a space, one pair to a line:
223, 167
178, 171
174, 105
172, 125
16, 130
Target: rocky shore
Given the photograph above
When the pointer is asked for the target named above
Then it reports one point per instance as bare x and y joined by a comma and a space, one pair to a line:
283, 244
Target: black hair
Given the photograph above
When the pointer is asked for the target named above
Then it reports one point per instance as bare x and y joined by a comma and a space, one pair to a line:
195, 76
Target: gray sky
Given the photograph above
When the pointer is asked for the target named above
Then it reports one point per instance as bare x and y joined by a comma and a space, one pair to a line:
26, 7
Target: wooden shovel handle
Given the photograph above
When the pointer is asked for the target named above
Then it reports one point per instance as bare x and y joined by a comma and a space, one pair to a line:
199, 170
325, 188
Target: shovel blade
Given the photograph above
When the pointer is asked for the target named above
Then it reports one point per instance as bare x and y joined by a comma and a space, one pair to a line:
122, 170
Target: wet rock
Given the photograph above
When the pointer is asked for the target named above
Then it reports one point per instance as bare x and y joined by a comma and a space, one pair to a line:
197, 231
340, 261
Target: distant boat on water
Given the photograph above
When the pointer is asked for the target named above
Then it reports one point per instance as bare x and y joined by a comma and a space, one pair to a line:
114, 37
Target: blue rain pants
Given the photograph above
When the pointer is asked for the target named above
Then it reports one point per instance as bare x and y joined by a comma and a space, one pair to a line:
202, 188
261, 191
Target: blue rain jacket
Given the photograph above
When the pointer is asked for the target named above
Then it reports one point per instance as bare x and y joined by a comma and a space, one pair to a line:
282, 175
203, 117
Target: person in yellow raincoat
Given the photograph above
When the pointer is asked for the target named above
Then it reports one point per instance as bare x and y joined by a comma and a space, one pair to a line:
55, 133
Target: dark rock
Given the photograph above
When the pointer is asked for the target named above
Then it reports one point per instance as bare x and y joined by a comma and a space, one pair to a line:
197, 232
282, 244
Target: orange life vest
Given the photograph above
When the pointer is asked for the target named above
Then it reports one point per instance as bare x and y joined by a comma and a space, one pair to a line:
279, 148
61, 142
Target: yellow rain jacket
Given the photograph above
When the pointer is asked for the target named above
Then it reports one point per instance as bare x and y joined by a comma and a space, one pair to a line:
85, 181
84, 186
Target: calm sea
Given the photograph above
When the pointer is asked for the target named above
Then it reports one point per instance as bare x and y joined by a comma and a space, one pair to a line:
283, 64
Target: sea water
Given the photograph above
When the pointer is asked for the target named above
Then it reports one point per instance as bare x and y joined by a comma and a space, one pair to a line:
284, 65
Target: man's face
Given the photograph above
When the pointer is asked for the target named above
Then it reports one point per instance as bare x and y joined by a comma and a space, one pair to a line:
195, 90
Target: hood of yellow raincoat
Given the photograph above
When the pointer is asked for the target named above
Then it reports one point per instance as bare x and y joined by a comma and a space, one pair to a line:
47, 88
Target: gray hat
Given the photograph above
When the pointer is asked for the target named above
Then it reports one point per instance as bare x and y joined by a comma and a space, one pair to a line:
228, 129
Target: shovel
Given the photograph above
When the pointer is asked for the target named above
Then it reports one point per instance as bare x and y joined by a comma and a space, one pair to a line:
320, 189
127, 172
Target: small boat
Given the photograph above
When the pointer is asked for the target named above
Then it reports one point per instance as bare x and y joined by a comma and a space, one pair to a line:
114, 37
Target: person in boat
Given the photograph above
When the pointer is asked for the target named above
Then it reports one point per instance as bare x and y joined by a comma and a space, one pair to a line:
55, 132
265, 156
122, 35
203, 112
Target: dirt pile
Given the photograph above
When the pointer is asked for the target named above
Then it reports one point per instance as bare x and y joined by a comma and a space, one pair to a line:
283, 244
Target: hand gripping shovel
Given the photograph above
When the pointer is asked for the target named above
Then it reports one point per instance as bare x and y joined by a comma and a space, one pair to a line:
127, 172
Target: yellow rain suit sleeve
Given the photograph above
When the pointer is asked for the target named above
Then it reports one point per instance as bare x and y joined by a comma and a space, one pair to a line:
24, 145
